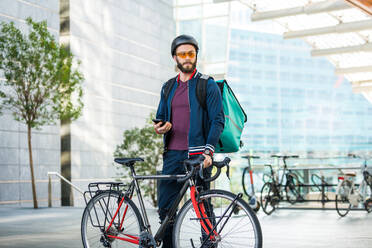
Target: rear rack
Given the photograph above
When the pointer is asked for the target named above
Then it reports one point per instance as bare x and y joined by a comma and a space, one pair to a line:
98, 187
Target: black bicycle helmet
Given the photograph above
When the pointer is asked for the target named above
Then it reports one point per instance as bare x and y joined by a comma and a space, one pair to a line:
183, 39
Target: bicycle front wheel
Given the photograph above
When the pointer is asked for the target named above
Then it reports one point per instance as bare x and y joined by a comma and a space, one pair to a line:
234, 221
342, 198
245, 180
99, 213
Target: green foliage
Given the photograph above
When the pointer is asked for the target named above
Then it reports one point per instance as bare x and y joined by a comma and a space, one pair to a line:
146, 144
42, 83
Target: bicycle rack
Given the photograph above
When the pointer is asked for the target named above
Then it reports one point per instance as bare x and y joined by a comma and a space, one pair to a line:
323, 186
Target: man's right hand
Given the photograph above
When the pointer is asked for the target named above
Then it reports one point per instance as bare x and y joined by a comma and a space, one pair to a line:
162, 129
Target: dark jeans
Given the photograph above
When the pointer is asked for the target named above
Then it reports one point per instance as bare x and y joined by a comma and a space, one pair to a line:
169, 189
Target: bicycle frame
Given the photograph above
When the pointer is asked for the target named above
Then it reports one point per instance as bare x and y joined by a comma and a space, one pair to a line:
205, 222
278, 184
359, 192
250, 171
276, 180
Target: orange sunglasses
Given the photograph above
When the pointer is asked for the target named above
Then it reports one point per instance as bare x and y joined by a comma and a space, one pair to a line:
183, 55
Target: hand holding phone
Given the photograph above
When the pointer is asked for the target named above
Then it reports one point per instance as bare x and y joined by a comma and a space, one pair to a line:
156, 121
161, 126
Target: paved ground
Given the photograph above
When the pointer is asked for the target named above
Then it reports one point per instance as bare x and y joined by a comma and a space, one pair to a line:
60, 227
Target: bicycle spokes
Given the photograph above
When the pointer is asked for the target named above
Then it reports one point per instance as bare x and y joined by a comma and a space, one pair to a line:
209, 222
205, 222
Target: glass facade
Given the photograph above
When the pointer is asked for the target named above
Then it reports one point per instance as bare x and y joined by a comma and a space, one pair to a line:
294, 103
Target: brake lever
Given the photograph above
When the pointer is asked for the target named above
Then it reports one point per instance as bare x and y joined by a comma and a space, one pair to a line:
201, 171
228, 172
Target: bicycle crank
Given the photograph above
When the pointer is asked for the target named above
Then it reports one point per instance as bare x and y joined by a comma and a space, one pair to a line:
105, 242
146, 240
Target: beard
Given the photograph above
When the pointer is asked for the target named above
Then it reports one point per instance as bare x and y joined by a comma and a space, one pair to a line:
187, 67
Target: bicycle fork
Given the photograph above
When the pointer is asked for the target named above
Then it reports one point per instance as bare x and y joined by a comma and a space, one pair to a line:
210, 229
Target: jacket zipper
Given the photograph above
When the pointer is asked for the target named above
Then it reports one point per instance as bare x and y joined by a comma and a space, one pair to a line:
170, 117
188, 97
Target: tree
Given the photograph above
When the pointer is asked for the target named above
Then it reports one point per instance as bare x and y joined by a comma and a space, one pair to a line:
42, 83
144, 143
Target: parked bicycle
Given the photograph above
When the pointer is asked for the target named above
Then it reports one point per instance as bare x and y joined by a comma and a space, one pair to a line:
248, 172
272, 193
211, 218
348, 195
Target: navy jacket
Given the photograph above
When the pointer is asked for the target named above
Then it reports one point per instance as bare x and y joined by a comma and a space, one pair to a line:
207, 125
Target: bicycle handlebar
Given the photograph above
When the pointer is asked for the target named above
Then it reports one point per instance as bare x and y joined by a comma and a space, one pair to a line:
284, 156
198, 162
188, 176
219, 166
271, 168
250, 156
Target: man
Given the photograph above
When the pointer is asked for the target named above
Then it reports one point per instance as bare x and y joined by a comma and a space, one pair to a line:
188, 128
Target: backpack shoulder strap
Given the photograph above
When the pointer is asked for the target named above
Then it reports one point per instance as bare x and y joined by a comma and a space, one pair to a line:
201, 90
168, 87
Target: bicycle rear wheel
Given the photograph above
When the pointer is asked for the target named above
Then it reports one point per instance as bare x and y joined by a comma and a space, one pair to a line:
292, 188
342, 198
269, 199
95, 222
238, 227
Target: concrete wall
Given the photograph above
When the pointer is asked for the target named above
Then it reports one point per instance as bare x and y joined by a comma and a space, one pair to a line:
124, 47
15, 179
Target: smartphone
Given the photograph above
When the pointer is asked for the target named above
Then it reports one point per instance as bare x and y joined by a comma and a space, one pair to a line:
156, 121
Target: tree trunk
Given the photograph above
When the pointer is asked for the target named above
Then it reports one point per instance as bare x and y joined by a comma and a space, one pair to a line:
67, 198
31, 166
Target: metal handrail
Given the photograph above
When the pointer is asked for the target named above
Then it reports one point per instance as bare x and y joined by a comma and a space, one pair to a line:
323, 168
50, 185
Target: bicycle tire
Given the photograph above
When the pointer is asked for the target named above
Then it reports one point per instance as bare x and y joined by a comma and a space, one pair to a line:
292, 189
342, 201
268, 198
93, 236
368, 199
266, 178
243, 182
242, 223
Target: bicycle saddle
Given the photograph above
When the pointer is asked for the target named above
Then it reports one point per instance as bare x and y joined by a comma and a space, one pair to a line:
350, 173
127, 161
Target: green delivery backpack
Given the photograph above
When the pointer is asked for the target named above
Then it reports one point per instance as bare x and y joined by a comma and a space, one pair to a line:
235, 116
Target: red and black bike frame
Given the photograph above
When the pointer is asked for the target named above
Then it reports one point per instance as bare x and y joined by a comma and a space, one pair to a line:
199, 207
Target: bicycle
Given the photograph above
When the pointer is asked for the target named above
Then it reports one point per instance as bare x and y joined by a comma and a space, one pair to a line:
271, 192
252, 200
211, 218
347, 193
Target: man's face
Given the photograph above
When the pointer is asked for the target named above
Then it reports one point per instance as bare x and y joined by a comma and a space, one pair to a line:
186, 58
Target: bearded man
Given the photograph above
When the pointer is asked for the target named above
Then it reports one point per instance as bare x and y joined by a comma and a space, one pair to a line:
188, 128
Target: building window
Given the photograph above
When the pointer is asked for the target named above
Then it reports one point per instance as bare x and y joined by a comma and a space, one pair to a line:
270, 59
285, 60
257, 74
256, 58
